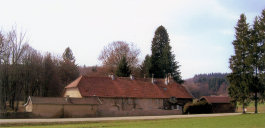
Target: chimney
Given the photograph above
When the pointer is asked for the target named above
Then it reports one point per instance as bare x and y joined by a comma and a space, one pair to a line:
131, 76
169, 77
112, 77
166, 80
152, 80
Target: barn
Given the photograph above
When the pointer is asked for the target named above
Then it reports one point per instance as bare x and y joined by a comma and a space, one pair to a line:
114, 96
129, 96
220, 104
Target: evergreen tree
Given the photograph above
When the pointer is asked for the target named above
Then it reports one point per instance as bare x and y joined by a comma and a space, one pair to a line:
258, 58
68, 55
261, 37
254, 62
241, 70
145, 67
68, 69
162, 58
123, 68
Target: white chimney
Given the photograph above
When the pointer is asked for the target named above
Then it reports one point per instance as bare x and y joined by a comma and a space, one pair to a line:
169, 78
152, 80
166, 80
131, 76
112, 77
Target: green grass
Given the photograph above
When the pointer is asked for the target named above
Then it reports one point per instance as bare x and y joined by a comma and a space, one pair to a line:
239, 121
251, 107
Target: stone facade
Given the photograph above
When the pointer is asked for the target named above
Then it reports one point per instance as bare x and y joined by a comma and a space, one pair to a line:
59, 110
106, 107
134, 107
55, 107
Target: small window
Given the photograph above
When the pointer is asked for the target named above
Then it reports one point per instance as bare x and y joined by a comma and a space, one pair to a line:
178, 107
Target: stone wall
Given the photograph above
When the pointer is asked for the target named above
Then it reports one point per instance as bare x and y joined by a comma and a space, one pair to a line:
133, 107
109, 107
60, 111
47, 110
80, 110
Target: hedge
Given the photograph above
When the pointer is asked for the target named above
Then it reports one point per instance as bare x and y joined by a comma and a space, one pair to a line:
198, 108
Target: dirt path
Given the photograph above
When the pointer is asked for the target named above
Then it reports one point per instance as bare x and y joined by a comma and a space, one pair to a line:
99, 119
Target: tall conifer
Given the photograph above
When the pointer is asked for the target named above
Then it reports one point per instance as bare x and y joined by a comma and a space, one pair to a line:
162, 58
261, 35
241, 71
254, 61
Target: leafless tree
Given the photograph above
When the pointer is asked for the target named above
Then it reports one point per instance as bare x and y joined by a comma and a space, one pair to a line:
113, 53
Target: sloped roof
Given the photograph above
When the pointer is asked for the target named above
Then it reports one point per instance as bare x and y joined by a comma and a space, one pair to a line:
62, 100
125, 87
216, 99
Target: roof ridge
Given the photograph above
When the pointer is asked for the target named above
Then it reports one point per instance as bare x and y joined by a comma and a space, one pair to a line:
136, 78
75, 83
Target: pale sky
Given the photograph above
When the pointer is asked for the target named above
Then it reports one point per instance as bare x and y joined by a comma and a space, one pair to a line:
201, 31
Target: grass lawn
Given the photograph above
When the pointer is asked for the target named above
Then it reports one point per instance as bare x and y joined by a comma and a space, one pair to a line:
251, 107
239, 121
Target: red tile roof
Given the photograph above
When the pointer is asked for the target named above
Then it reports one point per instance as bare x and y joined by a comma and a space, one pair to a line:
125, 87
216, 99
62, 100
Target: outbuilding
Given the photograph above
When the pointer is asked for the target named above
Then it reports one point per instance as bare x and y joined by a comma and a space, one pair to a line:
220, 104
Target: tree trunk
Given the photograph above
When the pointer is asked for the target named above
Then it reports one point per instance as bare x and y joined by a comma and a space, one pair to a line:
256, 102
243, 107
256, 94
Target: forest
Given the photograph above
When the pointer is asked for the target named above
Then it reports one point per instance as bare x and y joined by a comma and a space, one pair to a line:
26, 72
208, 84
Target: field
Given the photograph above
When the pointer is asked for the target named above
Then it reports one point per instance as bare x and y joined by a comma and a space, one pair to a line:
251, 108
239, 121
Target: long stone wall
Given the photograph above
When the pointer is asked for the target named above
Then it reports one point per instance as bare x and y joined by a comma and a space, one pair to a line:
59, 111
133, 107
108, 107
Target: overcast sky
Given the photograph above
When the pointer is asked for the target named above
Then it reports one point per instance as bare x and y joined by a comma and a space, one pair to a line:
201, 31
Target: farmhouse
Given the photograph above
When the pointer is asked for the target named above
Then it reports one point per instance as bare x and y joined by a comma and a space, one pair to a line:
110, 96
220, 104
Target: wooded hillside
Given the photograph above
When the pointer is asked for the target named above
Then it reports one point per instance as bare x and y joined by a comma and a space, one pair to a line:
207, 84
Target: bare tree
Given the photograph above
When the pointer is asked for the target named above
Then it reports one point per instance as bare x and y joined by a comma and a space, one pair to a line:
12, 49
112, 54
18, 45
33, 73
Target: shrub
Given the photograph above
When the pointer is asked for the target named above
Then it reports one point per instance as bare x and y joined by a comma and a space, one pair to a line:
198, 108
